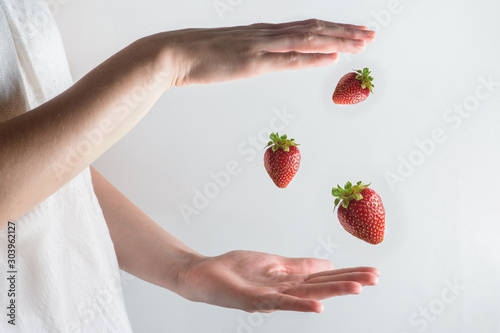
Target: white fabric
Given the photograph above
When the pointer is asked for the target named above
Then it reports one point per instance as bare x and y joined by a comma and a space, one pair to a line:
67, 272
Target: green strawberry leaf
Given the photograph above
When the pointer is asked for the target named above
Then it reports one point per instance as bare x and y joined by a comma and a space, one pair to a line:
280, 142
337, 201
349, 192
336, 192
365, 78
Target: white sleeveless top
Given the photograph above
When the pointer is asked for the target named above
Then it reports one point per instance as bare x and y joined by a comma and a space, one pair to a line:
67, 276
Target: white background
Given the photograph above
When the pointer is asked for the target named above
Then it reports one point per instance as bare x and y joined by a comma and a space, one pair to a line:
442, 220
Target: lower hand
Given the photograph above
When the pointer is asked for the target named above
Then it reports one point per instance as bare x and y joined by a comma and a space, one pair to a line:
255, 281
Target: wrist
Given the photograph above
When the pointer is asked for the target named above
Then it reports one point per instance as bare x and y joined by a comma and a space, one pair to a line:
152, 58
158, 51
176, 274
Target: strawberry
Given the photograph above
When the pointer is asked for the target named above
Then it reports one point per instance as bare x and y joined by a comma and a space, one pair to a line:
353, 87
361, 213
281, 159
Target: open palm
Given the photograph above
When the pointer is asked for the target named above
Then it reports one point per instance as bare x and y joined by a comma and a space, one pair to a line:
255, 281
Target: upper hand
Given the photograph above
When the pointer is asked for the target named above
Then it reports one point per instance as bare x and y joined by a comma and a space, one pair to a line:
213, 55
254, 281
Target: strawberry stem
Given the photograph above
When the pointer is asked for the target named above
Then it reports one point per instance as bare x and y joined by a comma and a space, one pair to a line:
365, 78
346, 194
282, 142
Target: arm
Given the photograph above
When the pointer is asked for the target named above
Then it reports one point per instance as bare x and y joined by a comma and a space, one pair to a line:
34, 147
143, 248
251, 281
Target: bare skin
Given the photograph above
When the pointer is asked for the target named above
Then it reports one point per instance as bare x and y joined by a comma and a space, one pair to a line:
34, 157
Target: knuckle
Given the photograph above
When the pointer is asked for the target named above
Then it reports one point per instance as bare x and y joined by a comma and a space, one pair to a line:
353, 33
344, 30
307, 36
249, 48
292, 56
316, 24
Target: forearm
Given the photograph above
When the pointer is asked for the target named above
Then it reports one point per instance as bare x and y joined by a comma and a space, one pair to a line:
43, 149
143, 248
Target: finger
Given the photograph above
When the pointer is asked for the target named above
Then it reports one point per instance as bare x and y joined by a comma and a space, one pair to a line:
319, 291
273, 62
285, 302
336, 31
365, 279
315, 26
310, 23
372, 270
306, 265
309, 42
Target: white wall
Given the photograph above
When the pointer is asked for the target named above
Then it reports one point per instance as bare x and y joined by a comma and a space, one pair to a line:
442, 221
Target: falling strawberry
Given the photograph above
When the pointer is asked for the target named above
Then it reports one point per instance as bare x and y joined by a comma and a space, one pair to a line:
353, 87
361, 212
281, 159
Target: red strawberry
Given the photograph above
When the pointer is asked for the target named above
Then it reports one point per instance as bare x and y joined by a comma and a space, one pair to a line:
353, 87
363, 217
281, 159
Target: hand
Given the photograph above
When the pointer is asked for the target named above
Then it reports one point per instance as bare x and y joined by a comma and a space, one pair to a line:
255, 281
213, 55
